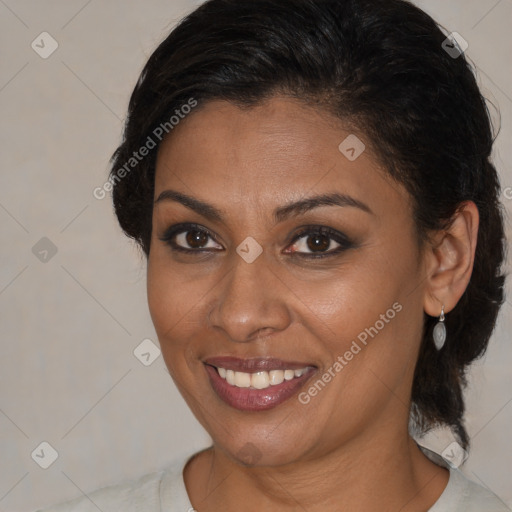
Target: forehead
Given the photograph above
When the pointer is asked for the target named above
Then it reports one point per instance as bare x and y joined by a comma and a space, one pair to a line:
263, 156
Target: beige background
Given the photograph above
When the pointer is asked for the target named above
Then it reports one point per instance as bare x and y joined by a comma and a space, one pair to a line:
68, 375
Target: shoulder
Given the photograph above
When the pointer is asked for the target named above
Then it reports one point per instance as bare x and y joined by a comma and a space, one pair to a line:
133, 495
476, 497
464, 495
153, 492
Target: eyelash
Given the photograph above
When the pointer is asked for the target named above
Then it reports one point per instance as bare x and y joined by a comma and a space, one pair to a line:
344, 241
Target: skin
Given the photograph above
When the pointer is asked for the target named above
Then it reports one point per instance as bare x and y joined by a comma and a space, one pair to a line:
349, 447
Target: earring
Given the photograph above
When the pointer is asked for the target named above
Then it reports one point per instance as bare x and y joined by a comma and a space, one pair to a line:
439, 334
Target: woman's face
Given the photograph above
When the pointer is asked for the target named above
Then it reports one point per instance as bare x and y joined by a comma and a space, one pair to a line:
332, 289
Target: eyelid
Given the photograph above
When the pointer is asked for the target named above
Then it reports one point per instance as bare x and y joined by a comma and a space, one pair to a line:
324, 230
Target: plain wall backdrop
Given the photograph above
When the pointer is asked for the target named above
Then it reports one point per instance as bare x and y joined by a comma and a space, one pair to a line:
72, 288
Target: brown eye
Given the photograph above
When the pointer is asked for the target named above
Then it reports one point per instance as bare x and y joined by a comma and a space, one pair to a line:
318, 242
193, 239
314, 243
190, 238
196, 238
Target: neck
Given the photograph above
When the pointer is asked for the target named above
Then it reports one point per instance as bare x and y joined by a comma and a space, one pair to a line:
369, 473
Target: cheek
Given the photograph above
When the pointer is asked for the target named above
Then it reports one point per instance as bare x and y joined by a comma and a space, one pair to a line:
177, 301
377, 365
168, 302
370, 313
353, 295
172, 293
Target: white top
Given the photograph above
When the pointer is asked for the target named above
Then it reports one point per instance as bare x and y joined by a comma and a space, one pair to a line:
165, 491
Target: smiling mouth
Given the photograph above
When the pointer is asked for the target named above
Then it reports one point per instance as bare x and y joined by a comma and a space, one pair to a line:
256, 384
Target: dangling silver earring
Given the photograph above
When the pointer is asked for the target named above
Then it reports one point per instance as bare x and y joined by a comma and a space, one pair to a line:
439, 334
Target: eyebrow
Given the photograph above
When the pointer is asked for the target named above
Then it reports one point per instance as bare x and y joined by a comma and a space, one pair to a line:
280, 214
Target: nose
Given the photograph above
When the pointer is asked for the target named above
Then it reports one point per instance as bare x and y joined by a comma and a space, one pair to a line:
250, 302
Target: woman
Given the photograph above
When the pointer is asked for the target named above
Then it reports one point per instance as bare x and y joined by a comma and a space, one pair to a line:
311, 185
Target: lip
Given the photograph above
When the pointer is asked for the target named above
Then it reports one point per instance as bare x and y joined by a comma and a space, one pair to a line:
248, 399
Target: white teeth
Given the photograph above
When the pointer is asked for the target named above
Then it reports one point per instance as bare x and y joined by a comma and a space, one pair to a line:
289, 374
276, 377
242, 380
259, 380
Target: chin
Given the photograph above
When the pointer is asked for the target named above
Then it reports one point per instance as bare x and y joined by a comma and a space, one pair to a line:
257, 450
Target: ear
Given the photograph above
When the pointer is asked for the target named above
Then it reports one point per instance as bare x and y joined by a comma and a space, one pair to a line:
449, 260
